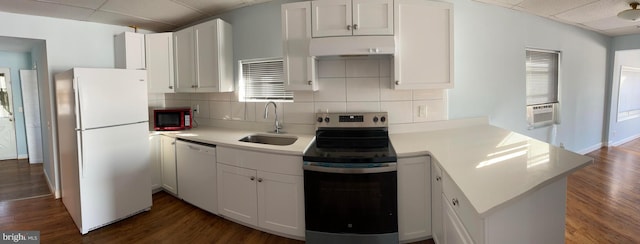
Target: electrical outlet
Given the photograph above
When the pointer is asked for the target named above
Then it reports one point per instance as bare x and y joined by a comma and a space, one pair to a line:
422, 111
561, 145
196, 108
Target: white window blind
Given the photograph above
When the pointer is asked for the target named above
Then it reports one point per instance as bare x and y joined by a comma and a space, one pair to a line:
263, 80
542, 76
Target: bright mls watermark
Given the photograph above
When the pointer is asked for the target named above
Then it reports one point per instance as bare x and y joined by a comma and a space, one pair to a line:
23, 237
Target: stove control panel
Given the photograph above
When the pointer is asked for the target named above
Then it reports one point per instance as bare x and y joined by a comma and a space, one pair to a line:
368, 119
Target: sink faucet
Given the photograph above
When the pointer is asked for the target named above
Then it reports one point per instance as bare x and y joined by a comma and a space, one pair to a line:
275, 111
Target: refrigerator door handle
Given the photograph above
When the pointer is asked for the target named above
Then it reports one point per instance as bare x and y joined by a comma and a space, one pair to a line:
76, 89
80, 155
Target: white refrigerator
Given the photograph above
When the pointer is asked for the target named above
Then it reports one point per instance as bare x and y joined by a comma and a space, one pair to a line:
103, 142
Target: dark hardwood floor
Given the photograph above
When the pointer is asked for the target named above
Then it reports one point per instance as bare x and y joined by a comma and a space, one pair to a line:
19, 179
602, 207
603, 199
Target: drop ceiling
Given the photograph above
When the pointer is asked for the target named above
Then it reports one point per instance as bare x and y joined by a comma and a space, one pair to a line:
168, 15
596, 15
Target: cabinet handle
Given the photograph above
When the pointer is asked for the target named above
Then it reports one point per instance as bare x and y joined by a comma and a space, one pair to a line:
310, 82
348, 27
397, 82
170, 87
173, 143
455, 202
438, 178
259, 179
252, 178
355, 26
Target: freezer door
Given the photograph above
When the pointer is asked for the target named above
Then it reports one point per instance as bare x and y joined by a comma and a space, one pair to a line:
115, 174
109, 97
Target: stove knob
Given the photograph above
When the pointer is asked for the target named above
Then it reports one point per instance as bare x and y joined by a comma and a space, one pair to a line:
383, 119
319, 119
326, 119
375, 119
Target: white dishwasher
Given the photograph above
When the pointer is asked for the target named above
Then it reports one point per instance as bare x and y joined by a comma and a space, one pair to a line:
196, 166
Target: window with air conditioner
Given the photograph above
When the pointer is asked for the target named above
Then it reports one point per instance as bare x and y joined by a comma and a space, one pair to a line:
263, 80
542, 75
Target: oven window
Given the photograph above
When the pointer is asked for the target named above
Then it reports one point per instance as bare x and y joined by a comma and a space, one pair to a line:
351, 203
168, 119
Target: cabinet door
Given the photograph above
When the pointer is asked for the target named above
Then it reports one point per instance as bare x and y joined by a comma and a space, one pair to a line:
424, 48
130, 51
169, 176
206, 55
281, 203
197, 175
436, 201
160, 62
331, 18
156, 161
454, 231
414, 197
372, 17
237, 198
299, 67
184, 60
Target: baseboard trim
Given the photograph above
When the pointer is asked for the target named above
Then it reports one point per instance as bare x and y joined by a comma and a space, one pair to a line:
590, 149
625, 140
23, 156
51, 188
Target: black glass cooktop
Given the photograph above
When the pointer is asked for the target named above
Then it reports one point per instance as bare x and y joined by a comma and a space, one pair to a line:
351, 146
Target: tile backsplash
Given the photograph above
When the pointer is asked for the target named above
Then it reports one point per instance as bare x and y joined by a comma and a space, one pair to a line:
355, 84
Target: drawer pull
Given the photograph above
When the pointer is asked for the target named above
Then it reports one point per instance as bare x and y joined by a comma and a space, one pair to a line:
438, 178
455, 202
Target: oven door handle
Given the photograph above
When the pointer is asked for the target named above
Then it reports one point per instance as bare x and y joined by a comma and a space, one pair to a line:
378, 168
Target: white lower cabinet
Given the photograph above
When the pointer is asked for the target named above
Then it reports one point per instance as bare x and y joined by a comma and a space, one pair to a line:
414, 198
196, 168
436, 204
168, 155
251, 193
156, 162
453, 229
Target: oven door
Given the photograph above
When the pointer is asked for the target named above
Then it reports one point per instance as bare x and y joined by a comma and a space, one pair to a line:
351, 199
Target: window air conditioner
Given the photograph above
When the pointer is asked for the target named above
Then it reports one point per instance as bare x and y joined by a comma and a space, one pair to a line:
542, 115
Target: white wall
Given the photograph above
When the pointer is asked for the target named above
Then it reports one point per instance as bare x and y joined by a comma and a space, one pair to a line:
490, 47
69, 44
625, 51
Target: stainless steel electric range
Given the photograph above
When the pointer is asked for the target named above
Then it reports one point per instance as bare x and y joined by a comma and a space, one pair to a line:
350, 180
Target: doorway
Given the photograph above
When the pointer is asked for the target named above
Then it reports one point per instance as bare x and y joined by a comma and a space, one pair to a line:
8, 148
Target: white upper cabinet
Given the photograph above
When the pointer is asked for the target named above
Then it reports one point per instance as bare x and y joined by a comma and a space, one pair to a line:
299, 67
159, 55
352, 17
130, 51
204, 58
424, 45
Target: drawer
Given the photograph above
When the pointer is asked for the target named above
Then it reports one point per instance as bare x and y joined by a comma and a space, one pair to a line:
268, 162
463, 209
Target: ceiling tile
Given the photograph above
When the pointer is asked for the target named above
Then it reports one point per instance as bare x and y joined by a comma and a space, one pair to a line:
44, 9
594, 11
165, 11
91, 4
552, 7
211, 7
623, 31
504, 3
123, 20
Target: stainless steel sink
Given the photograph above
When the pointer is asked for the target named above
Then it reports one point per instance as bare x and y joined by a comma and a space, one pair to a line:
270, 139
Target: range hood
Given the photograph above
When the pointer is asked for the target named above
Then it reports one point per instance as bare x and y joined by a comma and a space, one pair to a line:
352, 45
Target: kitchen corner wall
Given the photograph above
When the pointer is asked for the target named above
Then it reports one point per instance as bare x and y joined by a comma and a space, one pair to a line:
361, 84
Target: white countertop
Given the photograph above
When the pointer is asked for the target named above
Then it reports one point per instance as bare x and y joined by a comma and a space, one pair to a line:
491, 166
229, 137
